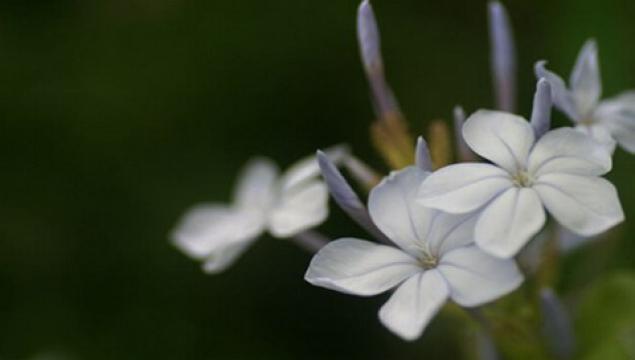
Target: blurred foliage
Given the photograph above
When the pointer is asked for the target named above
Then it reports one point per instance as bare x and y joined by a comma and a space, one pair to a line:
119, 114
606, 319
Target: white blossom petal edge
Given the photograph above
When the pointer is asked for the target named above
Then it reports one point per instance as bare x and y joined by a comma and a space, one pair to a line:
559, 172
436, 259
285, 205
610, 121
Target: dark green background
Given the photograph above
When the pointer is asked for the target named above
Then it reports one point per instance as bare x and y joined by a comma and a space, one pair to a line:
117, 115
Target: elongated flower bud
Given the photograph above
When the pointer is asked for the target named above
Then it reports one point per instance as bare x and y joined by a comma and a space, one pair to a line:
368, 37
370, 50
557, 324
503, 57
541, 113
422, 155
345, 196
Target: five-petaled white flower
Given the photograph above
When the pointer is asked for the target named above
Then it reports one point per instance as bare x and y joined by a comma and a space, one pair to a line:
436, 259
560, 171
287, 204
608, 121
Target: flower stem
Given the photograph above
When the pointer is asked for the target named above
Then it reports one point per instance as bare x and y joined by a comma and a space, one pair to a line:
547, 274
310, 240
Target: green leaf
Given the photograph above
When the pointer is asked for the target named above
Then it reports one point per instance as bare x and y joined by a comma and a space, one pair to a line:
605, 321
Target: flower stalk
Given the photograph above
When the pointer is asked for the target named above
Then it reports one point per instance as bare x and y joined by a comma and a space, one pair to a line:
310, 240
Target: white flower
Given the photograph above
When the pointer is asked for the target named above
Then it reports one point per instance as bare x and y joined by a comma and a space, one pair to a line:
435, 259
560, 171
607, 121
285, 205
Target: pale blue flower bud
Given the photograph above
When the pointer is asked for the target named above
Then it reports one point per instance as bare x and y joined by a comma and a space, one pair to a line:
422, 155
503, 57
541, 113
556, 324
345, 196
370, 49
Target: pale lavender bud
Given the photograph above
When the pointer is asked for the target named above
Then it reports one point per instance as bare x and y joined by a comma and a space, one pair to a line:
557, 324
422, 155
370, 50
368, 37
541, 113
503, 57
463, 151
485, 347
345, 196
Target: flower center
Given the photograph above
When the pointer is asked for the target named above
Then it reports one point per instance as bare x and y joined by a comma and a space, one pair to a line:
428, 261
587, 120
522, 179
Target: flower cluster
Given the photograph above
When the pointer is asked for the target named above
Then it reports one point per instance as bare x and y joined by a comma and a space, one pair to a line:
443, 231
432, 258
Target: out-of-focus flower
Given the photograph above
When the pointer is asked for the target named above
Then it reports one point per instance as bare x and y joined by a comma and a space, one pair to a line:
560, 171
284, 204
608, 121
435, 259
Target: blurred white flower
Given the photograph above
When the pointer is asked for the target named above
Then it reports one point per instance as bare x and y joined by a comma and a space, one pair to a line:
607, 121
435, 259
284, 204
561, 171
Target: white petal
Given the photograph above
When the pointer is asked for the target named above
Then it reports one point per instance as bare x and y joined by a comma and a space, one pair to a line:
500, 137
509, 222
449, 231
393, 207
585, 82
475, 277
566, 150
217, 234
360, 267
585, 205
308, 169
462, 188
302, 207
562, 97
618, 115
256, 184
414, 304
600, 134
